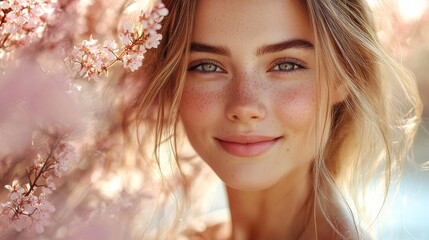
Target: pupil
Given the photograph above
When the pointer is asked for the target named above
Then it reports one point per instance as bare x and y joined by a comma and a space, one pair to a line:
209, 67
286, 66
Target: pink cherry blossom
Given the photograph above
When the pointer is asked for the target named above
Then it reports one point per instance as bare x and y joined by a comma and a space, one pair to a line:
132, 61
150, 21
93, 60
4, 5
64, 154
41, 215
126, 35
88, 55
26, 206
24, 21
25, 210
109, 50
153, 41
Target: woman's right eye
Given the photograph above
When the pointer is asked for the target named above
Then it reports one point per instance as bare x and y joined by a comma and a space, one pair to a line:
205, 67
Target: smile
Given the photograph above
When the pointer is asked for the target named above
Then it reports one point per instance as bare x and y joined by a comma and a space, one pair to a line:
247, 146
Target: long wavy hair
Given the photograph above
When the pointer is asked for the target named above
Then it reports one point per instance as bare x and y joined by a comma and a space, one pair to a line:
365, 137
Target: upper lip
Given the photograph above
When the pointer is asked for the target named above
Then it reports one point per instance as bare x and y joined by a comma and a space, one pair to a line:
246, 139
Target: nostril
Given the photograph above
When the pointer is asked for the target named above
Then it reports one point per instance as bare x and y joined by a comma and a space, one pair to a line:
240, 111
245, 116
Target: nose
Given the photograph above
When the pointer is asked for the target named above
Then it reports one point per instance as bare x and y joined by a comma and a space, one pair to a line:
245, 103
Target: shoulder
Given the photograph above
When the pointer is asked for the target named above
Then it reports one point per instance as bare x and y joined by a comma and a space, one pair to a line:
344, 232
334, 220
339, 226
323, 229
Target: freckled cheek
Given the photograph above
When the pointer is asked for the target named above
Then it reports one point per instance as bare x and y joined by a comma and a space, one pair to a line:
198, 103
297, 106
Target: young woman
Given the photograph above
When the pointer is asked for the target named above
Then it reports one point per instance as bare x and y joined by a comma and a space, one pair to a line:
294, 105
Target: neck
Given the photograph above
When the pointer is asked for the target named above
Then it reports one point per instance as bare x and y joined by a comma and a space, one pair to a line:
282, 211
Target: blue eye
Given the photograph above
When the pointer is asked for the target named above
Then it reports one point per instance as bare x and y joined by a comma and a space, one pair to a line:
205, 67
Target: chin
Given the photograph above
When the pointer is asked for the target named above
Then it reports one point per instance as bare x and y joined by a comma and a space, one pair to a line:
248, 182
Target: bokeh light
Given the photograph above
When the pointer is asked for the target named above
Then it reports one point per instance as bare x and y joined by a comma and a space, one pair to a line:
411, 10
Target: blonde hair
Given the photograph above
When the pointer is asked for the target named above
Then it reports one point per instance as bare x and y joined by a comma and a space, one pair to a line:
372, 130
368, 134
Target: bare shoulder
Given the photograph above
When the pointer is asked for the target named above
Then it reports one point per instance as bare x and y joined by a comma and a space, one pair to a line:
332, 220
341, 234
339, 231
341, 227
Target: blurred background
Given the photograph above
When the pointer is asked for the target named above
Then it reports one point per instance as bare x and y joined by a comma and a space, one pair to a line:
408, 23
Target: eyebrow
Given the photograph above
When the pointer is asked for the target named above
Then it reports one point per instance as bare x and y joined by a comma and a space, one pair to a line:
201, 47
278, 47
270, 48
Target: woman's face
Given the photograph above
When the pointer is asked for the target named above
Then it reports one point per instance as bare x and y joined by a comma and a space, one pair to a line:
249, 101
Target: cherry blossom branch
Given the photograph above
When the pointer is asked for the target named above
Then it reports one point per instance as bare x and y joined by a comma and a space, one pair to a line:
2, 44
94, 59
23, 22
26, 209
38, 172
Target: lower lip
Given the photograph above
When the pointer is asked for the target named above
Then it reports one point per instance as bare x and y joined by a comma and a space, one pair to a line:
247, 149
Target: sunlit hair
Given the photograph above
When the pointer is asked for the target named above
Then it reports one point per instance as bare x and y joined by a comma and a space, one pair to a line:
366, 136
369, 134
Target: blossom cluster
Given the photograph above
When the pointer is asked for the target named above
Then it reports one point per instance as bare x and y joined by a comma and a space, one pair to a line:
94, 59
26, 202
23, 22
28, 207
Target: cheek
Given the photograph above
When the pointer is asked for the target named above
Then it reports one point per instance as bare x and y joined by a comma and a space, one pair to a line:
198, 104
297, 106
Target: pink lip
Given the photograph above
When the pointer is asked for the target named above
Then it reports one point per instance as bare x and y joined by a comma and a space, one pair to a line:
247, 146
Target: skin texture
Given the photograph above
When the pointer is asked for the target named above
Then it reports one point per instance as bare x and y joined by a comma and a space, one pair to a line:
249, 111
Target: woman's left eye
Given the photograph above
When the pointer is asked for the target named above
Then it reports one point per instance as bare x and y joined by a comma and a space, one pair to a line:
286, 66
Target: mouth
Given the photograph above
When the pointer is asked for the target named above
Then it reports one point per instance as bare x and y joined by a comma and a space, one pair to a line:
247, 146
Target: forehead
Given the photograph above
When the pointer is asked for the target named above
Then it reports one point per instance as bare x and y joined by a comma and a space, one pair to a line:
226, 21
